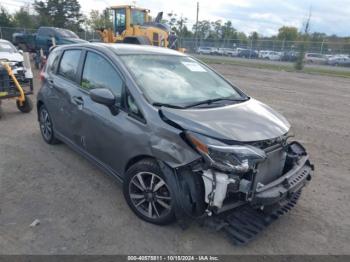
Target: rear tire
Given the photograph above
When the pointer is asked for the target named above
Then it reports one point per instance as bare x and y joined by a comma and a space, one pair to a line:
148, 194
26, 106
46, 127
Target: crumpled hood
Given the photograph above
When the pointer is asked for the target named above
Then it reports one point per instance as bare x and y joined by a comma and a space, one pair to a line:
244, 122
11, 57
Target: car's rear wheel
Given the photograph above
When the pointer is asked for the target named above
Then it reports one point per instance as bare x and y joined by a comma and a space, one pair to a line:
46, 127
148, 194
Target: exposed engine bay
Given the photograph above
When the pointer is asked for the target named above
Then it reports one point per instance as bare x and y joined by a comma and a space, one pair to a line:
262, 179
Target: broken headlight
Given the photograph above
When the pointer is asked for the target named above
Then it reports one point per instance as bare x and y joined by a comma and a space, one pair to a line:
227, 158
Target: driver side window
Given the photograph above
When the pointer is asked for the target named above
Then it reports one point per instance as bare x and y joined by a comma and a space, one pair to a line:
99, 73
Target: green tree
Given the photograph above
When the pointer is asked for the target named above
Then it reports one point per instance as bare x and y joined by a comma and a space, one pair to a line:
228, 31
299, 63
215, 31
60, 13
99, 20
5, 18
22, 18
287, 33
242, 38
204, 28
254, 37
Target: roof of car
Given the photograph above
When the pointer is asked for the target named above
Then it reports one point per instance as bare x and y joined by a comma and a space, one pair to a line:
126, 49
4, 41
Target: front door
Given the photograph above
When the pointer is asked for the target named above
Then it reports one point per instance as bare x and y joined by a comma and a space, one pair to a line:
103, 133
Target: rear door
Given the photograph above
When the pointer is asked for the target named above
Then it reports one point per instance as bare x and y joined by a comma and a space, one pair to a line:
68, 100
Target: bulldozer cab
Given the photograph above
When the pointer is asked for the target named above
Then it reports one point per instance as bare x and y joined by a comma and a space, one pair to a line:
126, 17
134, 25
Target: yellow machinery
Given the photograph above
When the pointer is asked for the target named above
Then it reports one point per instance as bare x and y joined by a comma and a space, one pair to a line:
11, 88
134, 25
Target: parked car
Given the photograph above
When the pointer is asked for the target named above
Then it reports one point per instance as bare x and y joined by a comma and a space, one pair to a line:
226, 51
340, 60
247, 53
262, 53
43, 38
270, 55
204, 50
14, 57
290, 56
315, 58
183, 140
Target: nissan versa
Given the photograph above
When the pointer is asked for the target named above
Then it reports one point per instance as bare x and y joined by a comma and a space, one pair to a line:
183, 140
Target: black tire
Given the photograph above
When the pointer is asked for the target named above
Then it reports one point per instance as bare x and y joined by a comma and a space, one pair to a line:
143, 196
27, 105
46, 126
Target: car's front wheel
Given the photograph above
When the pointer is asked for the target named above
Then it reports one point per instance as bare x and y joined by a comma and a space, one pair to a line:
148, 193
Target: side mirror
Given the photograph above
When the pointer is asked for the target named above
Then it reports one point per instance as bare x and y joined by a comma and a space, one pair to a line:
105, 97
20, 51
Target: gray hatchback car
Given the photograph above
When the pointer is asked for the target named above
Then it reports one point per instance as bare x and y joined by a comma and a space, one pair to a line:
184, 141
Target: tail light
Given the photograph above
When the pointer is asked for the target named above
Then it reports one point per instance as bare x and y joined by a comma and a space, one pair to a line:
42, 72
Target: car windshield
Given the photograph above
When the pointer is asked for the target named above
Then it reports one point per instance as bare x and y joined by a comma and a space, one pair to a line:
66, 33
178, 80
7, 47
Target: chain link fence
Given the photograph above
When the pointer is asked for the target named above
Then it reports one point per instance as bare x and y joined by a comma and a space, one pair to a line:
326, 46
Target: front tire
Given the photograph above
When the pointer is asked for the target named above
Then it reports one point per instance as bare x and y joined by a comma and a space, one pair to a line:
46, 127
148, 194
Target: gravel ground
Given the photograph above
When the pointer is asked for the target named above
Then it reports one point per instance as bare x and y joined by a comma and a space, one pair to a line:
82, 211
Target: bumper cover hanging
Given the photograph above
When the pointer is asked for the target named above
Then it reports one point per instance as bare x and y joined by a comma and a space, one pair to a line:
242, 225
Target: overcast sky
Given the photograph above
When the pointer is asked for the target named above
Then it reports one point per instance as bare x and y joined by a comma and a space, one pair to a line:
263, 16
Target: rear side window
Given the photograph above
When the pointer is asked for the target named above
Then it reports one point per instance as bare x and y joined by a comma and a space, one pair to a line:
52, 62
99, 73
69, 64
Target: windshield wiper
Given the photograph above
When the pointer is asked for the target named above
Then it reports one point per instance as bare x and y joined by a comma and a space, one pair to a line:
167, 105
210, 101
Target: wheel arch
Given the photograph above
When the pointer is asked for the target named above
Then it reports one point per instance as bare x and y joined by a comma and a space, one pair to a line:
39, 103
136, 159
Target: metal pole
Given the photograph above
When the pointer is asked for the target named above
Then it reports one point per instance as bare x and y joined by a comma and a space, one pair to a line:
196, 33
322, 46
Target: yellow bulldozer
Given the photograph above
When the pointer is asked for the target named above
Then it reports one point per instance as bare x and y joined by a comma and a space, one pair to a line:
134, 25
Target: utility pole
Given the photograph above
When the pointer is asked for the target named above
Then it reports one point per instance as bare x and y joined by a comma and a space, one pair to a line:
196, 33
322, 46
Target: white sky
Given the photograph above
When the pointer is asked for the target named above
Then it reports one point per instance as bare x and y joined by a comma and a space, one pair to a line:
263, 16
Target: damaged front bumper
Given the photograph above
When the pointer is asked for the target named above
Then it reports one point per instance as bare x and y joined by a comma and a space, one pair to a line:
297, 173
264, 204
285, 186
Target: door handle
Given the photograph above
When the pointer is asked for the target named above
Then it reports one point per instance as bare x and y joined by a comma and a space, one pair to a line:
50, 82
78, 100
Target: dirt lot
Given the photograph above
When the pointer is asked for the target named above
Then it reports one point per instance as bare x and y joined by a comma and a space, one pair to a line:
82, 211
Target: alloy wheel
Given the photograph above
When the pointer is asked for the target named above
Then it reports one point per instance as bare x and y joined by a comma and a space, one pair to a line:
150, 195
